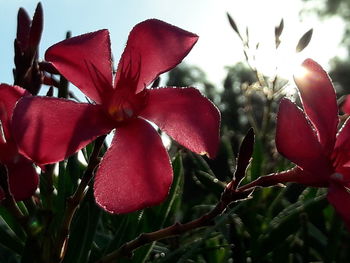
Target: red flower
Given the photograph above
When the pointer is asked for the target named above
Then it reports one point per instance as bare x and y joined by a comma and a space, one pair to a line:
23, 179
135, 171
310, 139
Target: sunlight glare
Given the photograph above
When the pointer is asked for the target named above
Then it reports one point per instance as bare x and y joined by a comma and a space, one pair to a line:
300, 72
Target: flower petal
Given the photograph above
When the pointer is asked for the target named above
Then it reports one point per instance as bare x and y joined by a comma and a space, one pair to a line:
341, 152
23, 179
48, 130
135, 172
153, 47
319, 102
296, 140
9, 95
346, 105
85, 61
187, 116
339, 197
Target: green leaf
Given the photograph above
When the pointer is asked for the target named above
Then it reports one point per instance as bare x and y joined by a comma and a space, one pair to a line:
69, 173
159, 215
233, 25
214, 250
13, 224
211, 183
304, 41
285, 224
83, 231
279, 29
10, 241
201, 163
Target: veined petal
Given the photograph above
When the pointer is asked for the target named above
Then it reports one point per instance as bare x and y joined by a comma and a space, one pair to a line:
296, 140
135, 172
339, 197
23, 179
187, 116
153, 47
48, 130
319, 102
85, 61
9, 95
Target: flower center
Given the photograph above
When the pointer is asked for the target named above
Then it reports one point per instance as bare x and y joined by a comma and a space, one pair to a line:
124, 105
120, 112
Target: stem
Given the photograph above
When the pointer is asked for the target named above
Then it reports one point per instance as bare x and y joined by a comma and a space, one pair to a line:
48, 190
74, 200
176, 229
274, 179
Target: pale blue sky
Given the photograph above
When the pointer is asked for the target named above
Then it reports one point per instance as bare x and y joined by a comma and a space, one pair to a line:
217, 47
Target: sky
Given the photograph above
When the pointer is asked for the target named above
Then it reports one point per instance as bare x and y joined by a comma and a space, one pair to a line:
218, 46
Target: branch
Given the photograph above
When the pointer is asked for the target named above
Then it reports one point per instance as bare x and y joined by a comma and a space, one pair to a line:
74, 200
126, 250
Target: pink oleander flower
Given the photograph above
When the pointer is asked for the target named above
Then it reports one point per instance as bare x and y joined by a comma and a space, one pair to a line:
136, 171
309, 139
23, 179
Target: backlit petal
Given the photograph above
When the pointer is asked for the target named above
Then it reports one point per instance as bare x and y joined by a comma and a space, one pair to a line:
49, 130
187, 116
153, 47
135, 172
319, 102
339, 197
23, 179
85, 61
341, 153
346, 105
296, 140
8, 98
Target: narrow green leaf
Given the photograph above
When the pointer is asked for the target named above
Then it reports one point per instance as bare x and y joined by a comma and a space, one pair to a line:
279, 29
83, 232
211, 183
285, 223
10, 241
278, 32
201, 163
304, 41
160, 214
13, 224
233, 25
